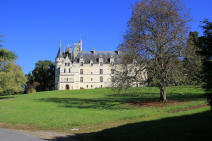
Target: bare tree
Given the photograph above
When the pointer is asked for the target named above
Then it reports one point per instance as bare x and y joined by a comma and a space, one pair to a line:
155, 38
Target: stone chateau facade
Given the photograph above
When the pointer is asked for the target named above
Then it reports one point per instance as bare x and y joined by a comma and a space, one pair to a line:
80, 69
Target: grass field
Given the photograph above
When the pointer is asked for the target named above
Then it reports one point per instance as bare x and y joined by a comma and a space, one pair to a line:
97, 109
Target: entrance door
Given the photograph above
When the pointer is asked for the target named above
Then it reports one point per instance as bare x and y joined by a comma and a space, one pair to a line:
67, 87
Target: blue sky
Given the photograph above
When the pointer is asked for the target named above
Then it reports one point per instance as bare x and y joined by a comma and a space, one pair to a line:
33, 28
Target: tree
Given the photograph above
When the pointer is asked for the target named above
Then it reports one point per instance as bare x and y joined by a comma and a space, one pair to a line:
192, 60
206, 52
155, 38
44, 74
31, 85
12, 79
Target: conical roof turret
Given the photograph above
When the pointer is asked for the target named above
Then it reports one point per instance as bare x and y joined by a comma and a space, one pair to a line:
59, 54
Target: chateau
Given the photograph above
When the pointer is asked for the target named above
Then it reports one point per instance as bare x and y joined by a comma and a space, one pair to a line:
80, 69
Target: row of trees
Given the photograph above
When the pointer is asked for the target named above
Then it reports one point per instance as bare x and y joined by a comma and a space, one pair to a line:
157, 40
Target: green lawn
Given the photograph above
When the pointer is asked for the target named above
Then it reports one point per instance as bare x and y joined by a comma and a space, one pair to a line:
92, 110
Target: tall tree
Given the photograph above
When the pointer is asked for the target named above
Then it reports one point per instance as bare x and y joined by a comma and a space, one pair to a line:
44, 74
12, 79
206, 51
156, 37
192, 60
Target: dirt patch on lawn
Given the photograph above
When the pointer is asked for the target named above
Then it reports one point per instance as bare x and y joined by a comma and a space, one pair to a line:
191, 108
154, 103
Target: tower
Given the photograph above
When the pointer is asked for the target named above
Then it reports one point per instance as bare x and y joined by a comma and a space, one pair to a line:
58, 63
77, 48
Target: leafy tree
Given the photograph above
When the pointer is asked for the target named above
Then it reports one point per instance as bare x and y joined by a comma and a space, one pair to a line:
155, 38
192, 60
12, 79
206, 52
31, 85
44, 74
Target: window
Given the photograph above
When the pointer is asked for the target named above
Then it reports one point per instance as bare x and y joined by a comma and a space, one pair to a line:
112, 79
91, 72
68, 64
91, 64
81, 79
87, 86
65, 64
91, 86
81, 63
64, 70
69, 70
91, 79
112, 71
97, 60
101, 63
81, 71
67, 79
101, 71
101, 78
108, 60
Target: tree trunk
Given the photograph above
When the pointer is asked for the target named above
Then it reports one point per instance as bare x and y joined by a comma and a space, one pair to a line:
163, 94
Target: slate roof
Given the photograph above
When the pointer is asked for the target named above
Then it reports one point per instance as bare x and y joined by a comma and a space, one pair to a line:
93, 56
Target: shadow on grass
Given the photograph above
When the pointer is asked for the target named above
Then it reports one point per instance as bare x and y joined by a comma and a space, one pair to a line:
184, 128
117, 101
100, 103
170, 96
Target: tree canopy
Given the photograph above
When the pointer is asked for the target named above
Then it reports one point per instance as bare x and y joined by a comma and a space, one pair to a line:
44, 74
192, 62
156, 36
12, 79
206, 52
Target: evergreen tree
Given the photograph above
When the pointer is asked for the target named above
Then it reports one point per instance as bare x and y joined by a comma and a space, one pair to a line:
206, 52
192, 60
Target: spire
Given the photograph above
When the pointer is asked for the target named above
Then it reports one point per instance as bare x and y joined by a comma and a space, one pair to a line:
59, 54
80, 45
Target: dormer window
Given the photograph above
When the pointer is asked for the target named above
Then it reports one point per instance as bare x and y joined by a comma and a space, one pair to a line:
108, 60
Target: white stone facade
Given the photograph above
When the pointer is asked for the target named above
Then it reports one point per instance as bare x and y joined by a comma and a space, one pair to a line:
84, 69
